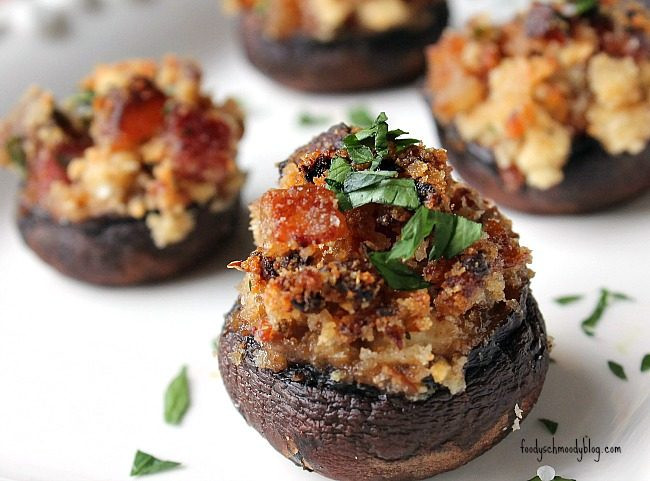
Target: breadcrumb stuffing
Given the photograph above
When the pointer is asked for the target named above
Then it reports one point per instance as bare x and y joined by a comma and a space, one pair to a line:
326, 19
528, 88
311, 295
138, 140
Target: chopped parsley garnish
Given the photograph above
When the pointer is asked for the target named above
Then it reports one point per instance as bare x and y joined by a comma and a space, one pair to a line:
617, 370
454, 234
365, 178
604, 300
144, 463
398, 192
177, 398
645, 363
548, 424
584, 6
570, 299
307, 119
339, 171
398, 276
360, 181
17, 154
360, 116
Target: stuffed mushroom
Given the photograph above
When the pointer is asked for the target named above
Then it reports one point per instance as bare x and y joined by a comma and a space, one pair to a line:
550, 112
133, 179
338, 45
385, 328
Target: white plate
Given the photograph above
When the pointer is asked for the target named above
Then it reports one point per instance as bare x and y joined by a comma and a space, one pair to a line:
83, 369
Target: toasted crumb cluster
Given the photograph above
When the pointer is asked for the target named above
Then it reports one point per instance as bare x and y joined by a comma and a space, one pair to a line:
526, 89
325, 19
311, 295
139, 140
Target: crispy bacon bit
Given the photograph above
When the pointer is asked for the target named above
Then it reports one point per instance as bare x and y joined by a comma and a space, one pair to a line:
134, 115
302, 215
201, 144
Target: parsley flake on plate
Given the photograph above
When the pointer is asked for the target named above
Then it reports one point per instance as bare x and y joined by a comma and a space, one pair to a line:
145, 463
604, 300
551, 426
570, 299
617, 370
307, 119
645, 363
177, 398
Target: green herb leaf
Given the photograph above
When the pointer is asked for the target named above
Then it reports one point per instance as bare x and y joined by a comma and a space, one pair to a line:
584, 6
413, 233
343, 201
403, 144
360, 116
617, 369
306, 119
177, 398
398, 192
590, 323
397, 275
381, 137
620, 296
144, 463
453, 234
16, 153
570, 299
365, 178
548, 424
466, 232
358, 152
645, 363
339, 170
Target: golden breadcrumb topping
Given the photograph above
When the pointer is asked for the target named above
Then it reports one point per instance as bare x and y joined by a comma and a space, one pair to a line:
528, 88
311, 294
138, 140
326, 19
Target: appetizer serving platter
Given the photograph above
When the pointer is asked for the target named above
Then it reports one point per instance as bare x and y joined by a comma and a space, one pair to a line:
83, 369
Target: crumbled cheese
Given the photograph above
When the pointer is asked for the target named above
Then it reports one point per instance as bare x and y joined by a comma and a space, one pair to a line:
518, 411
169, 227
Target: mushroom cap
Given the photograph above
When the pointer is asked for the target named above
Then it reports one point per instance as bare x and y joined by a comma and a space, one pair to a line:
118, 251
593, 178
351, 432
348, 63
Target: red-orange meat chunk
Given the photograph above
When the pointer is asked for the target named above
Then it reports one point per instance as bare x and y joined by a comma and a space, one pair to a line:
201, 143
304, 215
136, 116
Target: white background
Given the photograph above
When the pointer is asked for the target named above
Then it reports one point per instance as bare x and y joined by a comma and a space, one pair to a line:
83, 369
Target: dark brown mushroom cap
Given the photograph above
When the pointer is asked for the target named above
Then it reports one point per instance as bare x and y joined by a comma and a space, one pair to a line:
355, 62
351, 432
120, 251
593, 178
